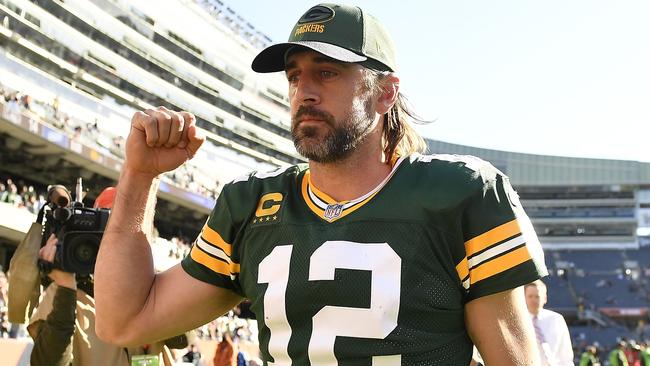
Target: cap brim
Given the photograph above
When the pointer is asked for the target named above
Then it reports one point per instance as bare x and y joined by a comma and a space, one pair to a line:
271, 59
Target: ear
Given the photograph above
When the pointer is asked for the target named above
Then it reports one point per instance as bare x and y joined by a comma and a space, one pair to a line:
389, 94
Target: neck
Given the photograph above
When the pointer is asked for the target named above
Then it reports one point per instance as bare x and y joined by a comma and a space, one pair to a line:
357, 174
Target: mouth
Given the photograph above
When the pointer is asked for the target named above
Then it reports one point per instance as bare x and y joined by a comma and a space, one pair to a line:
311, 122
310, 119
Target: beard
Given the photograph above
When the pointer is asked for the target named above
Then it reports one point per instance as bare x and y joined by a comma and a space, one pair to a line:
340, 140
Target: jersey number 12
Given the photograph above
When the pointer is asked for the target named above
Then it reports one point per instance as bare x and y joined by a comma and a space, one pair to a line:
332, 321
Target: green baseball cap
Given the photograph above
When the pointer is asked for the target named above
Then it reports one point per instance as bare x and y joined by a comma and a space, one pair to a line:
345, 33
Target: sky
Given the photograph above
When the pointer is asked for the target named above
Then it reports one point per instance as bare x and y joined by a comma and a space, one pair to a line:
552, 77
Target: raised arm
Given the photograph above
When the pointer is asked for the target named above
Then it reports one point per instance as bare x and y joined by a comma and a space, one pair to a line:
133, 305
501, 329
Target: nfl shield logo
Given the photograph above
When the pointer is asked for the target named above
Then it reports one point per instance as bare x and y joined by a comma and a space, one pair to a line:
333, 211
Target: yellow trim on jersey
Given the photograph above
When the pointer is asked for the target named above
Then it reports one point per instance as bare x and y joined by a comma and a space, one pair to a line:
492, 237
305, 196
499, 264
214, 264
213, 238
307, 187
462, 269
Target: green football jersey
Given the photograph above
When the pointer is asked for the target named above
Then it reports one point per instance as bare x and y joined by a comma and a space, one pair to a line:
380, 280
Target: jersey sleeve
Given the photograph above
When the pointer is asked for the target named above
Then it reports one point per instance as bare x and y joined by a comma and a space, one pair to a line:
502, 250
211, 258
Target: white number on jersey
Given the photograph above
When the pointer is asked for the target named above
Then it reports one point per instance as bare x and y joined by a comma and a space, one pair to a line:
332, 321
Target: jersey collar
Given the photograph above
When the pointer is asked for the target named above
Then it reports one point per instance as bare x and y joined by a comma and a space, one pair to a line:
331, 210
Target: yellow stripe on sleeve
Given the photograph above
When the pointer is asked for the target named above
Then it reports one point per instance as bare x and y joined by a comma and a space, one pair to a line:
214, 264
499, 264
212, 237
491, 237
463, 269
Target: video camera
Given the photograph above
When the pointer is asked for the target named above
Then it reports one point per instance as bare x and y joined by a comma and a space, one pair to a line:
78, 230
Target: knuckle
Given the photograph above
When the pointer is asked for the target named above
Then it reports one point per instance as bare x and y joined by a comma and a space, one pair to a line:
188, 116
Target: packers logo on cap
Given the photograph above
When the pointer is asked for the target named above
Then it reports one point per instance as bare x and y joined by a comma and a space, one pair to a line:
318, 13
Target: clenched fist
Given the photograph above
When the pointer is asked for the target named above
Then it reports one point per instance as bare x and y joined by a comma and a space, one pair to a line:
161, 140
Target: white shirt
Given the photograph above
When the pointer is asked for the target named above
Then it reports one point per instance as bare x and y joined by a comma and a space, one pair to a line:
557, 341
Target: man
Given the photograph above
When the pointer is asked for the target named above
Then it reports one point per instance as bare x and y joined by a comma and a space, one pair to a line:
551, 331
590, 357
370, 254
617, 355
63, 325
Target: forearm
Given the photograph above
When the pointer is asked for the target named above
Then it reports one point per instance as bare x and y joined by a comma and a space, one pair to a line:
124, 271
53, 342
500, 328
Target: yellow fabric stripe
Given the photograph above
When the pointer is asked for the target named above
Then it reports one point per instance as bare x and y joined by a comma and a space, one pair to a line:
305, 196
491, 237
462, 269
499, 264
306, 185
213, 238
214, 264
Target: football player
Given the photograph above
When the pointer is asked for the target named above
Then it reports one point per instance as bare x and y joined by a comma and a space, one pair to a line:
370, 254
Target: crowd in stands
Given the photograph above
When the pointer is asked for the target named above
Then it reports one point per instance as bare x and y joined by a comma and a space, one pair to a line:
92, 134
20, 194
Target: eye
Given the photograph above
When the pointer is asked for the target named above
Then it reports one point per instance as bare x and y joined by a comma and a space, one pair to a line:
292, 78
327, 74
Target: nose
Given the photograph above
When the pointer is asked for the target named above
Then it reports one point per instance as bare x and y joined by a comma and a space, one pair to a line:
307, 91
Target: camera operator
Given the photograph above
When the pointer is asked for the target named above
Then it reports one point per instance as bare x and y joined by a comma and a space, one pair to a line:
63, 325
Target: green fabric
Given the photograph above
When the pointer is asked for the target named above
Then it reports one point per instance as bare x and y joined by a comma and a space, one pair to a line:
645, 357
588, 359
53, 343
347, 27
424, 214
617, 358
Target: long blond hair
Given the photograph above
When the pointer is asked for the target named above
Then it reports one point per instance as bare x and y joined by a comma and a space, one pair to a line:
399, 137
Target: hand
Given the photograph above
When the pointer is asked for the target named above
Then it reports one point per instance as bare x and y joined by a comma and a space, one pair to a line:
161, 140
61, 278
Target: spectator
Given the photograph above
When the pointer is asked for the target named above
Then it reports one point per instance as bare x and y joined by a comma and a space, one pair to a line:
3, 193
193, 355
226, 353
26, 102
13, 107
55, 107
645, 354
77, 133
13, 197
552, 333
617, 355
590, 357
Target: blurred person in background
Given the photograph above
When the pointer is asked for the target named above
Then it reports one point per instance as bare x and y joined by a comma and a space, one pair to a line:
644, 354
3, 192
193, 355
551, 330
331, 253
5, 326
589, 357
617, 355
63, 325
633, 353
